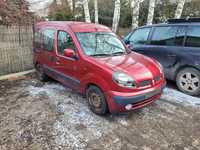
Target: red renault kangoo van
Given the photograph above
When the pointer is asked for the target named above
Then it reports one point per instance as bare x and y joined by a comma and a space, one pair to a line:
92, 60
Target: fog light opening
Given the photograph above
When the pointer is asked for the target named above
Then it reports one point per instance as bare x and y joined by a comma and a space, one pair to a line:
128, 107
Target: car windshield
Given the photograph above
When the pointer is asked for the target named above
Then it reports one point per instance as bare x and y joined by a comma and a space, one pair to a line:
100, 44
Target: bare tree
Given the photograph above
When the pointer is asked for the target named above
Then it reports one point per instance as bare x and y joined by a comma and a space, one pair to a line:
179, 9
116, 16
86, 11
58, 2
152, 4
71, 4
96, 11
13, 12
135, 15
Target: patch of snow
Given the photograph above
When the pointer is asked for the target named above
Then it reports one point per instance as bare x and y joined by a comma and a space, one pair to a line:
48, 89
77, 124
122, 121
150, 113
179, 97
171, 109
166, 106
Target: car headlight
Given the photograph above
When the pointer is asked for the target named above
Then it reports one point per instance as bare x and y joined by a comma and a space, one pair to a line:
124, 80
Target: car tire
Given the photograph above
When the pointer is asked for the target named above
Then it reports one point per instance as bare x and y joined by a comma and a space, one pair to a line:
96, 100
188, 81
40, 73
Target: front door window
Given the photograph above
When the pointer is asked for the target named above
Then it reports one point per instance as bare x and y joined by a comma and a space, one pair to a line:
64, 42
140, 36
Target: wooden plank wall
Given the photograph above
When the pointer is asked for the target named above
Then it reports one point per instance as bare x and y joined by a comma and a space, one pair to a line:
15, 49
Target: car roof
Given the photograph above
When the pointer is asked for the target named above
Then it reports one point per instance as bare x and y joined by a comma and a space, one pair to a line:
75, 26
171, 24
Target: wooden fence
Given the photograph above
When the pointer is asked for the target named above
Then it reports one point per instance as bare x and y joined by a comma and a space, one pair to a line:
15, 49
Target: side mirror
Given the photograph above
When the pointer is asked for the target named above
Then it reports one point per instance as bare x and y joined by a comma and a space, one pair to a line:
128, 46
69, 53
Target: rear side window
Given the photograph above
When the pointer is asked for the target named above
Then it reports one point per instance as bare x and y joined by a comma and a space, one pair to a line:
48, 39
37, 39
164, 36
140, 36
193, 37
64, 41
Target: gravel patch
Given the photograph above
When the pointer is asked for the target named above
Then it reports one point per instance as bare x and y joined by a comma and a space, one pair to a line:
35, 115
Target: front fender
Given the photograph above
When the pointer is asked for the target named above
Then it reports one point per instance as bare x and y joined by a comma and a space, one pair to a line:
95, 79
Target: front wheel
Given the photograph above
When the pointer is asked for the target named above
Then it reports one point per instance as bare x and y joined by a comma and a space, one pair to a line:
188, 81
96, 100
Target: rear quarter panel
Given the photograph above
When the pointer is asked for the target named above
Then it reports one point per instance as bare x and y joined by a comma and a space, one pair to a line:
186, 57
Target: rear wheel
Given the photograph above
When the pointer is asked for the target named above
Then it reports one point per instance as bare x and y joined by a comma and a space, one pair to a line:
40, 73
188, 81
96, 100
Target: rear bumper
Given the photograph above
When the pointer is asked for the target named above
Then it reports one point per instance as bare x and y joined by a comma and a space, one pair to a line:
118, 101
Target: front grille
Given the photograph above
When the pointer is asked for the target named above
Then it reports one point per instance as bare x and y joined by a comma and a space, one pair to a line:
149, 82
145, 83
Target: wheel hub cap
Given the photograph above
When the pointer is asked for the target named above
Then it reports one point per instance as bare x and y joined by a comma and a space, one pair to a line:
189, 82
95, 100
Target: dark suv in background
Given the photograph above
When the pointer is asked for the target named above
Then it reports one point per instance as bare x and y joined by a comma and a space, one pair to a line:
176, 45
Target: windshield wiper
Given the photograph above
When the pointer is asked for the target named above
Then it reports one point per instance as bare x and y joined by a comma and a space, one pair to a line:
100, 54
118, 53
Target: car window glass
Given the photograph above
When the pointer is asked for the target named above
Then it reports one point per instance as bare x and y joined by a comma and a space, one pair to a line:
48, 43
180, 35
140, 36
96, 43
37, 39
126, 38
193, 37
164, 36
64, 42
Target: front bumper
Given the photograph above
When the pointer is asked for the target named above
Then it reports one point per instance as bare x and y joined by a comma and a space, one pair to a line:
118, 101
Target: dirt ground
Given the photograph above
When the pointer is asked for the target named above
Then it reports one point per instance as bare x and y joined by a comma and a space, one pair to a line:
47, 116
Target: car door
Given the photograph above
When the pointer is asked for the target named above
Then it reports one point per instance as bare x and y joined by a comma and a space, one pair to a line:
66, 67
167, 46
163, 46
138, 40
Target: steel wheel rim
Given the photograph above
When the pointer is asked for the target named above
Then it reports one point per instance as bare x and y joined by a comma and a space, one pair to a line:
95, 100
189, 82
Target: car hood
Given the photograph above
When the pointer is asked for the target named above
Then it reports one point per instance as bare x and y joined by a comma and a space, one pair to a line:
136, 65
